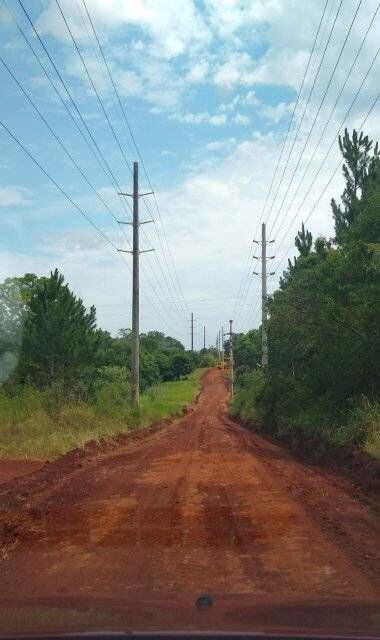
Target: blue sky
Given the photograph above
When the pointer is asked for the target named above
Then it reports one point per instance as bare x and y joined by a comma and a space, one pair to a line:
209, 88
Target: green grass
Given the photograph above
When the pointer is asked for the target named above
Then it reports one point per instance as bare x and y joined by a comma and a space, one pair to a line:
31, 428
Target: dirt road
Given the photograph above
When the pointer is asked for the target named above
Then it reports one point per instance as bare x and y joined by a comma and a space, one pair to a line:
198, 506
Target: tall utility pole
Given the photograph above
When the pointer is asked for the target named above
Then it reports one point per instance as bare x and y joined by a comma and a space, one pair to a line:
192, 332
136, 291
232, 360
222, 348
135, 284
204, 337
264, 298
264, 294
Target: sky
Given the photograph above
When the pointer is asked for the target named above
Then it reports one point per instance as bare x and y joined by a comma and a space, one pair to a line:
215, 98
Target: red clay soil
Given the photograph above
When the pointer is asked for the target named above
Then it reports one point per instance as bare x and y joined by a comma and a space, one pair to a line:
127, 537
10, 469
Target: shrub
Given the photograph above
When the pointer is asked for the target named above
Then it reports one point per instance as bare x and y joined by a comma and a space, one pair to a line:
247, 398
364, 425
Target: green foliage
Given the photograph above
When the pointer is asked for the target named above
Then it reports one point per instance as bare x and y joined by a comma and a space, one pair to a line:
181, 365
247, 352
304, 241
59, 339
15, 295
41, 424
365, 420
208, 359
323, 326
246, 403
149, 371
361, 170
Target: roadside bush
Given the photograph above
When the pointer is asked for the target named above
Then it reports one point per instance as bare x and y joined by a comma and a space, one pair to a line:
247, 398
364, 423
208, 360
113, 399
76, 416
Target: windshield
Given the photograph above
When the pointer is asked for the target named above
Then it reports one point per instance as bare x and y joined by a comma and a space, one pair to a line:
189, 317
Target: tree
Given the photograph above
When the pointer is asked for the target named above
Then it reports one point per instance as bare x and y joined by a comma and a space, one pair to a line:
323, 327
362, 172
15, 295
304, 241
60, 338
181, 366
149, 371
247, 351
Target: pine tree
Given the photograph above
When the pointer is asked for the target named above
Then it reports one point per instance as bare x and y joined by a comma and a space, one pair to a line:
304, 241
361, 171
60, 338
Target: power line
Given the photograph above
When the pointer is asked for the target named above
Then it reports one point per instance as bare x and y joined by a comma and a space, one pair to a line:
72, 101
68, 93
307, 103
332, 175
134, 143
348, 76
373, 105
72, 202
139, 155
333, 141
249, 261
94, 87
317, 113
57, 138
325, 93
104, 111
69, 155
58, 186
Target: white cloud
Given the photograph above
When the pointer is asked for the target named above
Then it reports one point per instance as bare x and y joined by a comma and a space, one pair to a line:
198, 72
13, 196
250, 99
240, 118
202, 117
219, 145
277, 112
237, 70
171, 28
187, 43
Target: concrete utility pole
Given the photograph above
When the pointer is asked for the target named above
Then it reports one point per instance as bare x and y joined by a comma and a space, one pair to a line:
232, 361
264, 298
204, 337
264, 294
192, 332
222, 348
136, 291
135, 284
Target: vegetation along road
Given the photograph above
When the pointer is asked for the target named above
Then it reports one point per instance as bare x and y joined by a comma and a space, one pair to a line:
161, 510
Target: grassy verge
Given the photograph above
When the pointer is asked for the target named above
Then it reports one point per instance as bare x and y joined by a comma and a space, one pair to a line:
31, 427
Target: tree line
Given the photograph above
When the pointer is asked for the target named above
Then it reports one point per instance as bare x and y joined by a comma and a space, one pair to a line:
48, 337
323, 378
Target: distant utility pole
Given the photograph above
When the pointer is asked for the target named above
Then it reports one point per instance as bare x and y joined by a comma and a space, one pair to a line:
204, 337
222, 348
136, 283
264, 294
192, 332
232, 360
